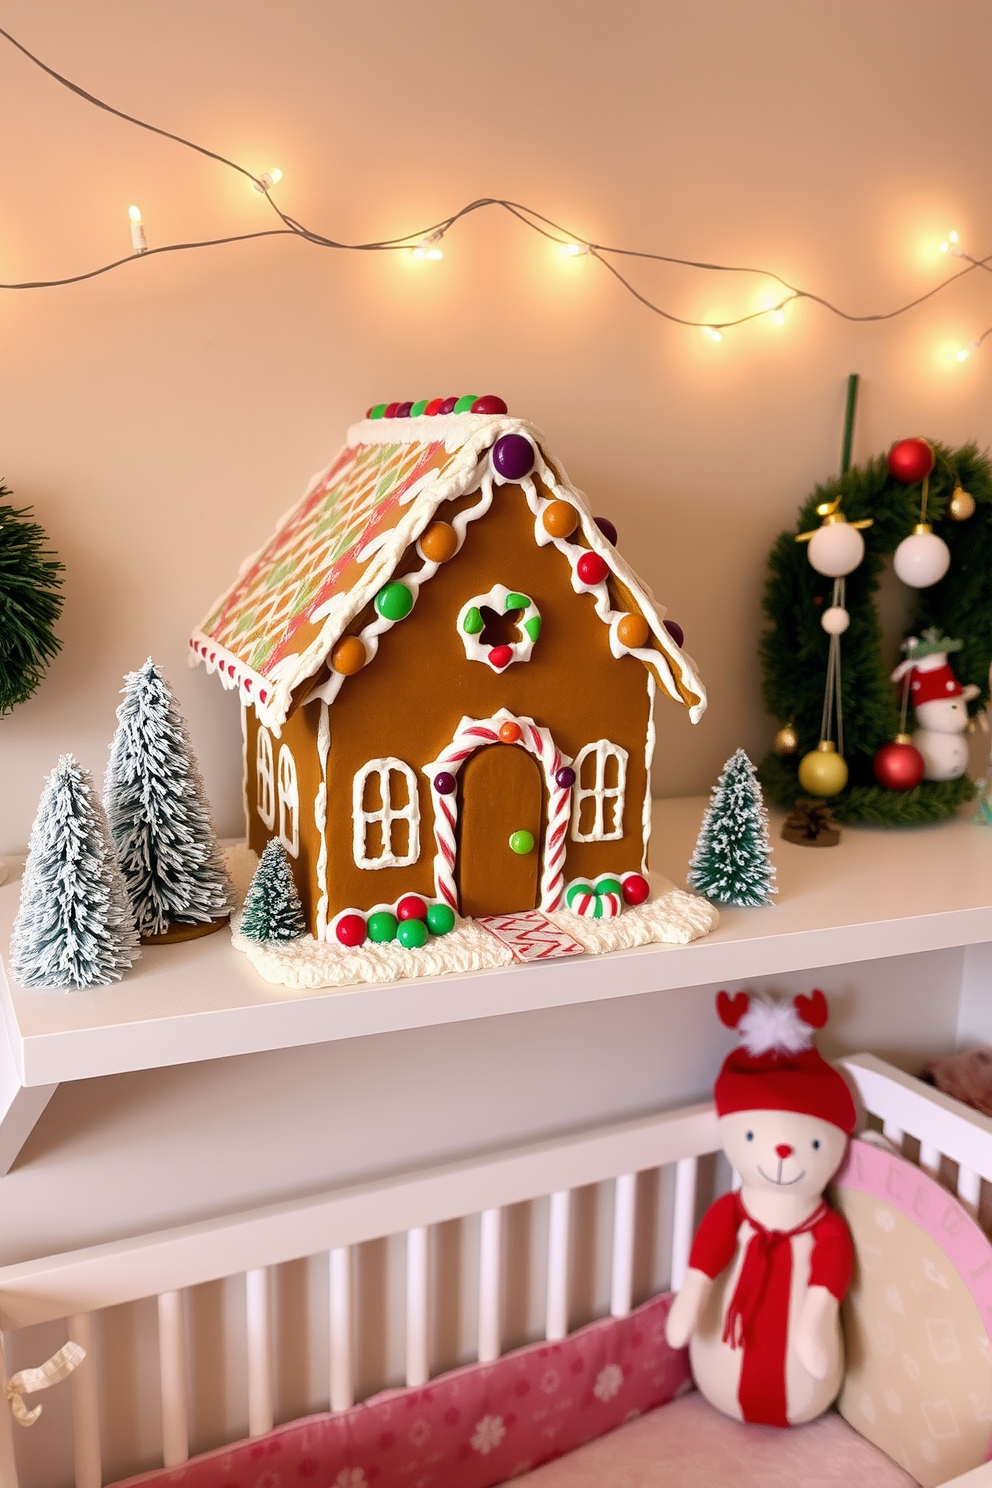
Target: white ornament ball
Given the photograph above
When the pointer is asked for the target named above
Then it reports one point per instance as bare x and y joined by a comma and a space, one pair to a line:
922, 559
836, 549
835, 620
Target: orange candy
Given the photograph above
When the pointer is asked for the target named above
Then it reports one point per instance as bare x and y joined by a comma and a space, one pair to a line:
633, 632
510, 732
439, 542
348, 656
560, 519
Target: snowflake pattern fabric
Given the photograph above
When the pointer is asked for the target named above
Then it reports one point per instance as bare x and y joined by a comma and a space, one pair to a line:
731, 862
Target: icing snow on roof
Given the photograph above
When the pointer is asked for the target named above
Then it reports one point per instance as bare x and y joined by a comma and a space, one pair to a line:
274, 629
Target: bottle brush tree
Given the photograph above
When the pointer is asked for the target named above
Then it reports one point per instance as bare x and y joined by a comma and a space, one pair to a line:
272, 905
159, 815
74, 927
731, 862
30, 604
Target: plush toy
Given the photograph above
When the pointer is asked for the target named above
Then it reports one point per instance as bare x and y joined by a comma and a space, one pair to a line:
770, 1264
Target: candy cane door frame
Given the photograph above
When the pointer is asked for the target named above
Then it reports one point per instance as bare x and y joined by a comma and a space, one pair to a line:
501, 793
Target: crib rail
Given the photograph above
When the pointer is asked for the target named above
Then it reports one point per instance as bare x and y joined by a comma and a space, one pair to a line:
78, 1284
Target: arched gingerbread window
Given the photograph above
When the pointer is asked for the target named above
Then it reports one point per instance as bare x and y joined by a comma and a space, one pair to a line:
598, 793
289, 803
386, 815
265, 784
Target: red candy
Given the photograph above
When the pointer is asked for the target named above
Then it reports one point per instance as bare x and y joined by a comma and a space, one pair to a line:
501, 656
434, 407
411, 907
635, 889
350, 930
489, 404
510, 732
591, 568
390, 410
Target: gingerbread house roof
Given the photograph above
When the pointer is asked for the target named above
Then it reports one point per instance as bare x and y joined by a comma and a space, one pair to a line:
271, 634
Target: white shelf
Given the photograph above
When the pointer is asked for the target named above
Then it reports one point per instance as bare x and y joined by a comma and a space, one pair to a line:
877, 894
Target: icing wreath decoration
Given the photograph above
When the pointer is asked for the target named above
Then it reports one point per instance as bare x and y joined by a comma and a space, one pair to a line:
500, 604
949, 494
30, 604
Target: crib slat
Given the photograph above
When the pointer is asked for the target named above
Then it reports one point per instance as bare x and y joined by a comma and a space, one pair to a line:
172, 1372
970, 1189
490, 1283
893, 1134
558, 1224
417, 1360
342, 1373
624, 1206
85, 1407
8, 1467
260, 1409
683, 1217
930, 1159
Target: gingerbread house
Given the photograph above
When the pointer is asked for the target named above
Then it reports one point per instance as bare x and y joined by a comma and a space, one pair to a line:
447, 675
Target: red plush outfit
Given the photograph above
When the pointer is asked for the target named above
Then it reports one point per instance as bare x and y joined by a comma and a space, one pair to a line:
763, 1290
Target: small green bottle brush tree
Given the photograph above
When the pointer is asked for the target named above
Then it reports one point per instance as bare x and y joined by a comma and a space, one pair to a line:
795, 647
30, 603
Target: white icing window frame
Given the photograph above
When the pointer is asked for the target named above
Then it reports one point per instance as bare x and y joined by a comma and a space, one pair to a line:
289, 802
386, 815
265, 778
603, 750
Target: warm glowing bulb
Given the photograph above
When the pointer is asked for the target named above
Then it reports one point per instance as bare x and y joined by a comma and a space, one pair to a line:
963, 354
778, 317
428, 247
134, 213
952, 237
712, 333
573, 250
138, 240
268, 179
951, 246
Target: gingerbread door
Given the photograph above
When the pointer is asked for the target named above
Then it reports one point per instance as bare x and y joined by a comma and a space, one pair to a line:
502, 795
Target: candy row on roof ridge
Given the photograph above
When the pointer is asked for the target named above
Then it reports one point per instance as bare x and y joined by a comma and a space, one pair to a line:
469, 403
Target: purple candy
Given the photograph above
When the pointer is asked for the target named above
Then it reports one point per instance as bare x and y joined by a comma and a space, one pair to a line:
675, 631
448, 405
565, 777
607, 528
403, 410
444, 783
513, 457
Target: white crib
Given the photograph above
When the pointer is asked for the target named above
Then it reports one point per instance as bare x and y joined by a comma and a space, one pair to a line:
73, 1286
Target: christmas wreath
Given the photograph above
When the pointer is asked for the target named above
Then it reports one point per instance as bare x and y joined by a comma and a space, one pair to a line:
30, 604
795, 648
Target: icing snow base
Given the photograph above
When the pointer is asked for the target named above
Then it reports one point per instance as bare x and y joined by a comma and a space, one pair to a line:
670, 917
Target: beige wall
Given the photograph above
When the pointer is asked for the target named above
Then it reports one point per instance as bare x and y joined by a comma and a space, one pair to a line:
158, 419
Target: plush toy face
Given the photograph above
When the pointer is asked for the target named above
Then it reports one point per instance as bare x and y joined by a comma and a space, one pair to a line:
943, 715
783, 1151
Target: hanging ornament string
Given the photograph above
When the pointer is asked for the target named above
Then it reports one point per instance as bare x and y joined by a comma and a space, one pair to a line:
832, 705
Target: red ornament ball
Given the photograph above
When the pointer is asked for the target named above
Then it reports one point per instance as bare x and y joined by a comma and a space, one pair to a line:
510, 732
501, 656
635, 889
910, 460
591, 568
899, 766
411, 907
350, 930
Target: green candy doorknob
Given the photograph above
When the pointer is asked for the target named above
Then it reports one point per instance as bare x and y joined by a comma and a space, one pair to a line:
521, 842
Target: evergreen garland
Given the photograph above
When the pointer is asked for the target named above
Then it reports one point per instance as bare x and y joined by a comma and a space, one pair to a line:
794, 648
272, 905
731, 863
30, 604
74, 927
159, 813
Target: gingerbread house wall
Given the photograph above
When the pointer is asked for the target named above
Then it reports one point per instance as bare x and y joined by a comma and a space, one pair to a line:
300, 739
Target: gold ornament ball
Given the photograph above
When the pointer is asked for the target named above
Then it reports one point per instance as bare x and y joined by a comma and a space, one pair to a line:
823, 772
961, 505
786, 740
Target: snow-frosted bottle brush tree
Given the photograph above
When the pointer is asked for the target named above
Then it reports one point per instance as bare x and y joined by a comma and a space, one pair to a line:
272, 905
75, 926
159, 815
731, 862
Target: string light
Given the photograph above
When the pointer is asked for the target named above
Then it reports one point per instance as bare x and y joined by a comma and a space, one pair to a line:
424, 244
138, 240
965, 352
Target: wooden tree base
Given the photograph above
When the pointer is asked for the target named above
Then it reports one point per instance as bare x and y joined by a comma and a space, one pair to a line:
180, 931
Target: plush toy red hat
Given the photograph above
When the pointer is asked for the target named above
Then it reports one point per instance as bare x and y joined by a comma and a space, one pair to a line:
933, 686
777, 1068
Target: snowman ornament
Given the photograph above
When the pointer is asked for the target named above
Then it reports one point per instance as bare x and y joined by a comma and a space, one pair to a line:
941, 704
770, 1264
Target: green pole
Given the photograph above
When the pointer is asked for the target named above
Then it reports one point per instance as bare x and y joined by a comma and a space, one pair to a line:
852, 403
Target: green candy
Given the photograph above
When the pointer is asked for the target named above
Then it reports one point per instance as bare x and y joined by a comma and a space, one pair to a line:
574, 893
609, 886
473, 622
394, 601
419, 407
533, 627
440, 919
516, 602
381, 926
464, 405
379, 411
412, 934
522, 842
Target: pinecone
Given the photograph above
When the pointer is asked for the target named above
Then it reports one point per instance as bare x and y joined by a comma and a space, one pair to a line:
810, 823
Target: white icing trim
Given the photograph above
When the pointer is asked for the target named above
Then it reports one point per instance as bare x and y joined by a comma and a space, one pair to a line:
470, 735
265, 778
520, 649
320, 816
649, 744
244, 769
386, 815
602, 751
289, 802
